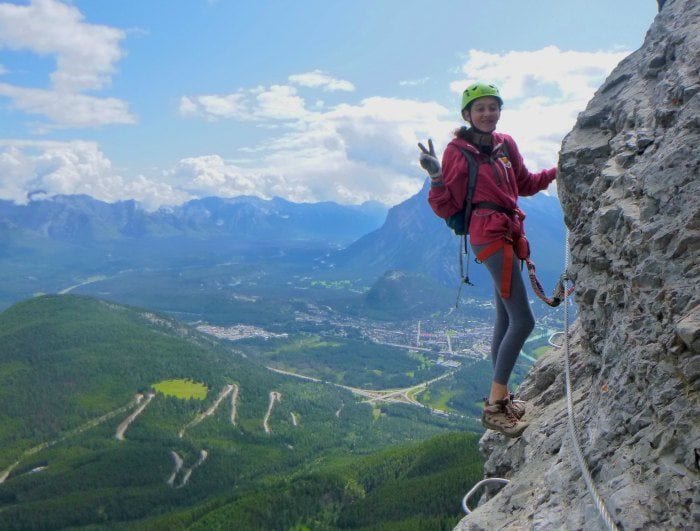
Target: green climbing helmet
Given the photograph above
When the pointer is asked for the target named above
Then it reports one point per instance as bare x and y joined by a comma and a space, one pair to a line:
479, 90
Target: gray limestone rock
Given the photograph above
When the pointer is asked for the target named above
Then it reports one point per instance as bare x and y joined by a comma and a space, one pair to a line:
629, 183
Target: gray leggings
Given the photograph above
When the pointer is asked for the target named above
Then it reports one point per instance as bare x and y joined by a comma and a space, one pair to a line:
514, 319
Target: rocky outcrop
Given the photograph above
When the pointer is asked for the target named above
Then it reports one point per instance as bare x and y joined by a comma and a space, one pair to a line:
630, 188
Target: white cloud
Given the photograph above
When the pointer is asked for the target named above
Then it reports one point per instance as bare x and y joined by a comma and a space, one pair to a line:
353, 152
350, 153
263, 104
319, 79
414, 82
188, 106
214, 107
85, 57
279, 102
67, 108
76, 167
211, 175
347, 153
557, 74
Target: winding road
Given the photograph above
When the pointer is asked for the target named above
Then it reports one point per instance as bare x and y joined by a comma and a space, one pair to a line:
234, 404
178, 465
203, 454
121, 429
209, 412
274, 397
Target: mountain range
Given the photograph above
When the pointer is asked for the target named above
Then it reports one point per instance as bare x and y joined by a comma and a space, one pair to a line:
82, 219
52, 243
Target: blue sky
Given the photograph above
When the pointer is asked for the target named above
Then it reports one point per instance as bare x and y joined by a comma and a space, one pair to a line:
164, 101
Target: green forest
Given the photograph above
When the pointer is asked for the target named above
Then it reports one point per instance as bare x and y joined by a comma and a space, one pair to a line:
343, 361
409, 487
74, 369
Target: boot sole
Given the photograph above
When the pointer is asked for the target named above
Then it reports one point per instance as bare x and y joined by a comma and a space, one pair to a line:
499, 429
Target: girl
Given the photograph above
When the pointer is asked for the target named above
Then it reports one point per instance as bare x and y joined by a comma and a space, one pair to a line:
495, 232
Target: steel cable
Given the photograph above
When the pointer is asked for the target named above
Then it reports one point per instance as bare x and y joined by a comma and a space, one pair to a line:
585, 472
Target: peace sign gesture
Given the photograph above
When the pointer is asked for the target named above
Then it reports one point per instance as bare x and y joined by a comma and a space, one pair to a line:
429, 161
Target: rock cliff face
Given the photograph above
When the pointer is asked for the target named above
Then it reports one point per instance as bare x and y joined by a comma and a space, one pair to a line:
630, 187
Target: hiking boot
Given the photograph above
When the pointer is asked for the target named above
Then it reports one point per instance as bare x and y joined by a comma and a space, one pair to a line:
517, 407
497, 416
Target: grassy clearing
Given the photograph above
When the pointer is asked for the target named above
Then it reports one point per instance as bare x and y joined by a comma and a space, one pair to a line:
181, 388
438, 398
300, 344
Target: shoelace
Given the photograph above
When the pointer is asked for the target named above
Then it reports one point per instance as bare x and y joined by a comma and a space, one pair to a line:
506, 408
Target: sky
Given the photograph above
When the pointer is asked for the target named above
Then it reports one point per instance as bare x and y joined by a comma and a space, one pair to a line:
164, 101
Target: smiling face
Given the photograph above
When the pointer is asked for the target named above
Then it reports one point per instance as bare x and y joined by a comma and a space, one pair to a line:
483, 114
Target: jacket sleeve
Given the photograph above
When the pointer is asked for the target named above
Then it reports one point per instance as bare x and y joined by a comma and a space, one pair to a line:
448, 199
528, 183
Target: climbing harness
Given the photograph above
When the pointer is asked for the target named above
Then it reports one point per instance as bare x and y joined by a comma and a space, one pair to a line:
585, 472
511, 246
520, 247
600, 505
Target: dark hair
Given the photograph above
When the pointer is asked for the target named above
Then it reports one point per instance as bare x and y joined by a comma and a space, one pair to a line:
462, 132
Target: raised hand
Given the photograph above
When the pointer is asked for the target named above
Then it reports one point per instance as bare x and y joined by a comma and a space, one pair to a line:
429, 161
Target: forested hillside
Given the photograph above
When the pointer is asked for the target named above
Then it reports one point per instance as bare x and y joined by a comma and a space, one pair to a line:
113, 414
416, 487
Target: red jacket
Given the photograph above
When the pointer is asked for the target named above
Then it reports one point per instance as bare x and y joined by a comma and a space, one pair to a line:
499, 180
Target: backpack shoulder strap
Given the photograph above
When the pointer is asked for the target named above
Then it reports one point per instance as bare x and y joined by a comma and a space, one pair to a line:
473, 167
505, 148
